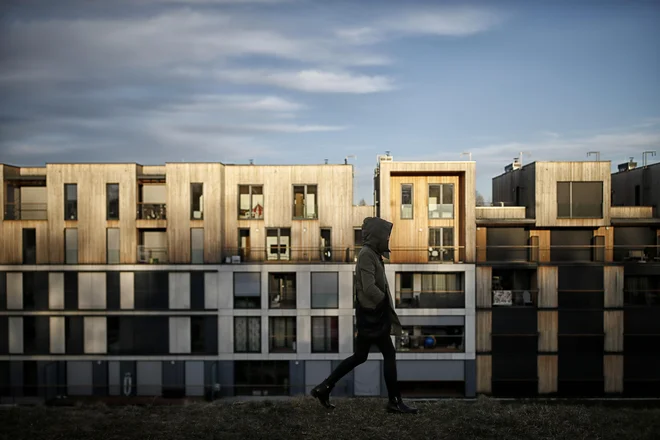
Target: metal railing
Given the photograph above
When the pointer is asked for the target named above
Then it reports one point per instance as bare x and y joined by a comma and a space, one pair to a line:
437, 343
448, 299
518, 298
151, 211
26, 211
568, 253
151, 255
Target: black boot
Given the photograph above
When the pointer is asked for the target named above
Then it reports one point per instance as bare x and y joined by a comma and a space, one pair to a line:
322, 392
396, 405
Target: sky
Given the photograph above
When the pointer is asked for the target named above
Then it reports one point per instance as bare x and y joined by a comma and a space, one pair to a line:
301, 81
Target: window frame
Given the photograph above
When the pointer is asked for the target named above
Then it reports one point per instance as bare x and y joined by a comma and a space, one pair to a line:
234, 296
70, 205
305, 193
288, 334
247, 340
279, 244
311, 290
271, 278
441, 187
570, 184
109, 202
252, 216
200, 202
412, 201
327, 327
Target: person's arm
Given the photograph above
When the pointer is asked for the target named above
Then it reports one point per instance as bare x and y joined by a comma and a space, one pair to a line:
367, 273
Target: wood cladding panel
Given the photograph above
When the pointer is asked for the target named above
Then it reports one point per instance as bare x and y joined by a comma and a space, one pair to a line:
484, 275
613, 283
608, 233
548, 284
613, 372
410, 237
465, 194
179, 223
482, 243
484, 329
548, 326
613, 325
91, 180
547, 176
484, 374
544, 244
334, 204
548, 371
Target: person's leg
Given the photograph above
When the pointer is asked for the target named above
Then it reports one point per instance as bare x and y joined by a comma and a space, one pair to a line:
395, 403
360, 353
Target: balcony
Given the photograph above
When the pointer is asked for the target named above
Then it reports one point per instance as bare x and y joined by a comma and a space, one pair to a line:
515, 298
26, 211
151, 255
151, 211
283, 254
431, 300
427, 254
432, 339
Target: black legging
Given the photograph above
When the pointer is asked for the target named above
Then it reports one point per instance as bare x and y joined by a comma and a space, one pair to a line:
359, 356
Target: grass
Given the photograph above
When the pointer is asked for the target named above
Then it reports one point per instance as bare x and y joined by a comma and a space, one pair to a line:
304, 418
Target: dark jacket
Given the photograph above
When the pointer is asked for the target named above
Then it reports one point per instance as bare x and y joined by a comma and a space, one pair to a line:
374, 309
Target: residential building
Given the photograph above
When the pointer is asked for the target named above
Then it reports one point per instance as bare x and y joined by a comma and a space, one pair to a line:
567, 285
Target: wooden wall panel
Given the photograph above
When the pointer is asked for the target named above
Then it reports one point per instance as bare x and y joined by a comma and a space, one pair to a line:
548, 370
613, 282
613, 372
484, 329
548, 325
548, 283
481, 244
484, 280
484, 374
613, 325
544, 244
466, 192
547, 176
608, 233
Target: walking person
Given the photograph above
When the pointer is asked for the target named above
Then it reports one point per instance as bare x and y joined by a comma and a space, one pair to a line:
375, 316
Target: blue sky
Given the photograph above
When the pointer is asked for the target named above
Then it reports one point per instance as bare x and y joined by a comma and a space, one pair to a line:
300, 81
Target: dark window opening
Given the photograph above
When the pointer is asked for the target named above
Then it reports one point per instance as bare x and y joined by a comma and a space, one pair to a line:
247, 290
432, 339
441, 245
29, 246
197, 291
196, 201
112, 207
579, 199
325, 334
70, 201
282, 290
261, 378
305, 203
406, 201
247, 334
282, 334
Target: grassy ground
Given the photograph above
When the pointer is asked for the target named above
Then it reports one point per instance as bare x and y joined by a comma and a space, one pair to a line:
304, 418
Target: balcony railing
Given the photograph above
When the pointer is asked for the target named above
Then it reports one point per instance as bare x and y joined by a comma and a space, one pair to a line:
637, 297
286, 301
435, 343
568, 253
448, 299
151, 211
151, 255
26, 211
515, 298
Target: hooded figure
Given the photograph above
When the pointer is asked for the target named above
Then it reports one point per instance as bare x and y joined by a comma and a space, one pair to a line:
375, 316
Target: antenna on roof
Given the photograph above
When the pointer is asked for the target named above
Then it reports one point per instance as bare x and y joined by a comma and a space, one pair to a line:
644, 154
596, 153
251, 161
326, 161
468, 154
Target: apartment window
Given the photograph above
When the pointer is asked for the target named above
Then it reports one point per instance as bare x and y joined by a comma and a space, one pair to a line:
250, 202
113, 290
197, 291
325, 290
197, 245
579, 199
35, 291
282, 334
441, 244
247, 334
441, 201
325, 334
71, 290
247, 290
438, 290
70, 201
261, 378
432, 338
36, 335
29, 246
112, 246
282, 290
203, 334
138, 335
406, 201
112, 200
278, 243
151, 290
304, 202
196, 201
71, 245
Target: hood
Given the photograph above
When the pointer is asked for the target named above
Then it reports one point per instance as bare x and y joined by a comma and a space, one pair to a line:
376, 233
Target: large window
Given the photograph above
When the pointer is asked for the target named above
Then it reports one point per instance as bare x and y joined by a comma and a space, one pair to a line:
197, 290
406, 201
250, 202
325, 290
432, 338
138, 335
151, 290
278, 244
112, 201
325, 334
579, 199
641, 291
196, 201
71, 245
282, 334
282, 290
35, 290
441, 200
70, 201
430, 290
247, 290
441, 244
29, 246
204, 334
261, 378
305, 202
247, 334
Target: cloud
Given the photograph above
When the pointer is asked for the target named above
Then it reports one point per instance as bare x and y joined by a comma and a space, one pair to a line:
311, 80
438, 21
291, 128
